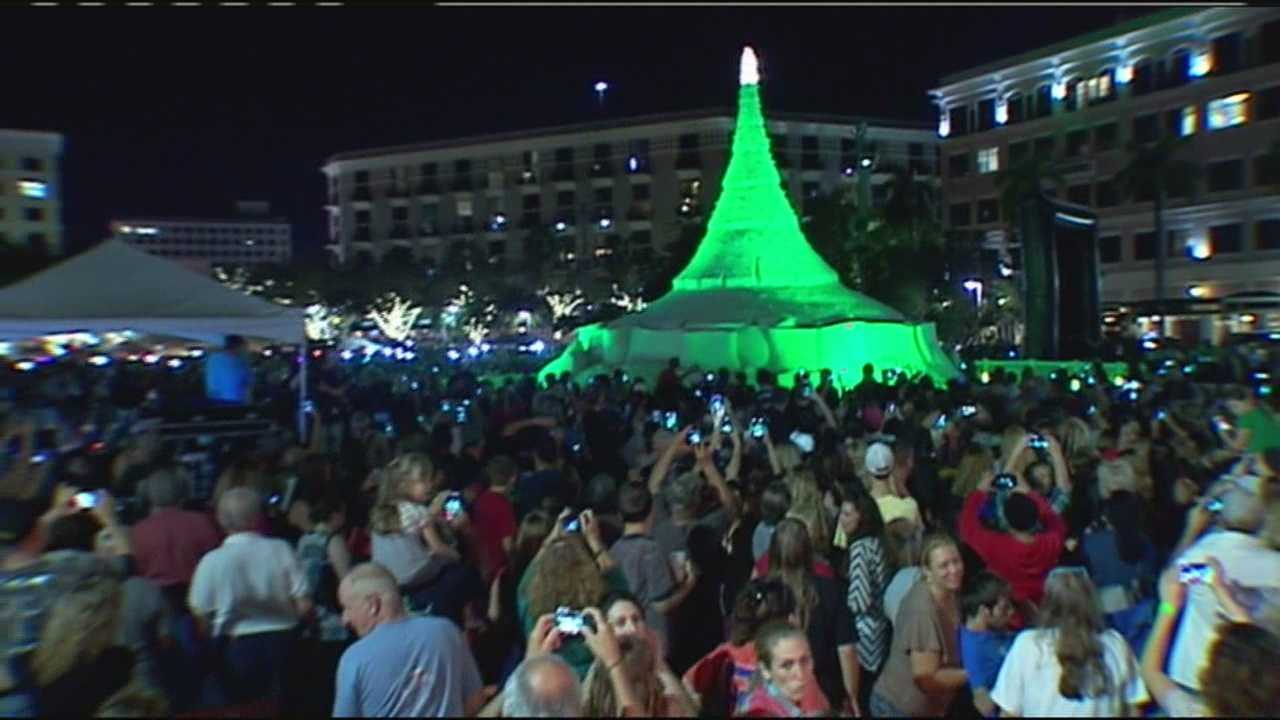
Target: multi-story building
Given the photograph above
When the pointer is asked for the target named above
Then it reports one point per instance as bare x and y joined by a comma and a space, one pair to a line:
31, 189
250, 237
1211, 76
595, 192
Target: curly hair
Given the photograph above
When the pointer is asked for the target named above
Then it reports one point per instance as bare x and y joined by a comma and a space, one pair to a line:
564, 574
385, 516
1232, 685
1071, 609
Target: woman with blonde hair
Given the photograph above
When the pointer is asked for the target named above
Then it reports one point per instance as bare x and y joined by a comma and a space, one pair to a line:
638, 665
822, 613
1071, 664
573, 570
808, 507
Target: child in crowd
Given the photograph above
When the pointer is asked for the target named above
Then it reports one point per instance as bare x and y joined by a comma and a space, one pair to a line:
987, 607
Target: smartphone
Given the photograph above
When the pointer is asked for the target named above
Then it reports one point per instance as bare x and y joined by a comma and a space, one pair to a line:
1004, 481
726, 427
711, 377
941, 422
446, 406
570, 621
573, 524
656, 417
671, 420
806, 391
1195, 573
460, 414
695, 437
1074, 385
1214, 505
716, 405
758, 427
1038, 442
1221, 423
85, 500
968, 410
1162, 414
453, 506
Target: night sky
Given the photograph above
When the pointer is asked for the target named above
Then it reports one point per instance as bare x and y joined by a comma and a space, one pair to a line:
182, 111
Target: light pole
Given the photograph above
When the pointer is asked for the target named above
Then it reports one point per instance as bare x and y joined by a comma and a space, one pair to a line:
975, 287
600, 87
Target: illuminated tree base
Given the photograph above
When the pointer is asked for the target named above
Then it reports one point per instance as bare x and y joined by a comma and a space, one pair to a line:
642, 345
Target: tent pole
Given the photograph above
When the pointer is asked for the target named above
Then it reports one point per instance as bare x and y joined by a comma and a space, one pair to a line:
302, 393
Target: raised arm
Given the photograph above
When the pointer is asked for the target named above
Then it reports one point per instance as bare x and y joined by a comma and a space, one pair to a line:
708, 468
663, 466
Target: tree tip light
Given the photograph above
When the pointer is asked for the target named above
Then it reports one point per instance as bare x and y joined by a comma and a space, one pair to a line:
749, 67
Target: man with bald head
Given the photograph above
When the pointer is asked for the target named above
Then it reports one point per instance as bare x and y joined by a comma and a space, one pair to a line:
402, 666
249, 594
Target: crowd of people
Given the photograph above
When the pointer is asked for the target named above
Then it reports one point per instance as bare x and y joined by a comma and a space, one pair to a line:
704, 543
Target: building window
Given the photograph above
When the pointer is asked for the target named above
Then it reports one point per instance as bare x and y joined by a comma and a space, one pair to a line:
959, 120
1106, 194
1188, 120
1098, 89
532, 201
1077, 141
1226, 53
362, 217
960, 214
1110, 249
988, 160
1266, 103
33, 214
465, 207
778, 143
988, 210
1226, 238
34, 189
362, 177
1072, 100
602, 196
1044, 147
1143, 78
1267, 234
1078, 194
641, 191
1225, 175
1016, 112
958, 165
400, 213
1043, 101
1018, 152
565, 199
1146, 128
1144, 245
1179, 68
1229, 111
32, 164
986, 114
1105, 137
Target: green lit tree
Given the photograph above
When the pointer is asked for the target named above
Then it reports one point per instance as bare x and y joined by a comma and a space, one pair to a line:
1156, 172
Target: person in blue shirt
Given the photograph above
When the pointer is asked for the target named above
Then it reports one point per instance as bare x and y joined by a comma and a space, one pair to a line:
986, 603
228, 378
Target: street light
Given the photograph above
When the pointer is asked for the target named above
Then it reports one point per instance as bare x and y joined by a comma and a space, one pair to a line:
600, 87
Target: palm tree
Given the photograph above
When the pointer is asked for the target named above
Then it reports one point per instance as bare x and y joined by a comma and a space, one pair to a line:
912, 204
1022, 181
1155, 171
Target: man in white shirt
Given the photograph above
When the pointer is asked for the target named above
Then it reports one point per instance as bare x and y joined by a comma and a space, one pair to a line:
402, 666
1246, 561
249, 594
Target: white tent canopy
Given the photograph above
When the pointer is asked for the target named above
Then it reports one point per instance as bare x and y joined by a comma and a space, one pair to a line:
116, 287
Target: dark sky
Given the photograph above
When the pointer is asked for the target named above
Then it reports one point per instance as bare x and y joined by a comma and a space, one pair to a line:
183, 111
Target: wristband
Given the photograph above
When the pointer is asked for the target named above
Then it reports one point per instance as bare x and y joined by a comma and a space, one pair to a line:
1167, 608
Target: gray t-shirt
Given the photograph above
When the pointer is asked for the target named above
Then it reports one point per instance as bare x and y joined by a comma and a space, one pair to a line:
416, 667
144, 619
672, 537
648, 573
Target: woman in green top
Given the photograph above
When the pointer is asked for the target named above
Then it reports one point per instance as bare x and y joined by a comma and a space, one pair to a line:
574, 570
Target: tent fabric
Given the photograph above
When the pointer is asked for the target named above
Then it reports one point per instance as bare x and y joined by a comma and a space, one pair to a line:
116, 287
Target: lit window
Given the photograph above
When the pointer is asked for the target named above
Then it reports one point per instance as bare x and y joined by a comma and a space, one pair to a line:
944, 125
1125, 74
1002, 111
1202, 63
1228, 111
988, 160
1190, 118
33, 189
464, 207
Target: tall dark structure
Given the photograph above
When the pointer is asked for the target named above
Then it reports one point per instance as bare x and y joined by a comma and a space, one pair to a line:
1060, 256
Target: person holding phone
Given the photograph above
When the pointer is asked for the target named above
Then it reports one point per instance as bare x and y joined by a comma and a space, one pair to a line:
1241, 504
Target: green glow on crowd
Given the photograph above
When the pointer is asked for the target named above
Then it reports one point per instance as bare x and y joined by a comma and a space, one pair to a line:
756, 294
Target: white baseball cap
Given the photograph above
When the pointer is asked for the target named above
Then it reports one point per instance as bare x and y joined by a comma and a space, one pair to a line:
879, 459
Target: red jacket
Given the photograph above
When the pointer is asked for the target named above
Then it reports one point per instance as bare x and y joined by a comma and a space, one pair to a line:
1023, 565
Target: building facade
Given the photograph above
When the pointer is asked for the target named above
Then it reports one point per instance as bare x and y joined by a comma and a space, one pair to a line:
1211, 76
249, 237
586, 195
31, 189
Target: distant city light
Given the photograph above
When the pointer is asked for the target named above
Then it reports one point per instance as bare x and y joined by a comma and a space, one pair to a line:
944, 124
151, 358
537, 346
473, 351
1199, 248
601, 86
33, 189
174, 363
24, 366
453, 355
605, 223
633, 164
1059, 89
1002, 111
1197, 291
1124, 74
99, 361
560, 226
866, 162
